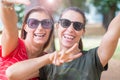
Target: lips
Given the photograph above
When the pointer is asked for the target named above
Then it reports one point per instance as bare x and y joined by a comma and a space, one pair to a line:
39, 35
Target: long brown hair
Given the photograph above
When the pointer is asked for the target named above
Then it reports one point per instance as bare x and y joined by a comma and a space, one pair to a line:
76, 9
37, 9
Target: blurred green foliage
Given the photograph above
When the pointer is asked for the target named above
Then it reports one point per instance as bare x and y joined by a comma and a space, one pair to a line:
20, 13
104, 6
107, 8
82, 4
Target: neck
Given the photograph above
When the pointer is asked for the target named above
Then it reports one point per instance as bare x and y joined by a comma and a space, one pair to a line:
63, 48
33, 50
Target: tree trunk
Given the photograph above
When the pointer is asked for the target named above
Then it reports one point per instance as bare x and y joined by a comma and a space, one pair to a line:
107, 17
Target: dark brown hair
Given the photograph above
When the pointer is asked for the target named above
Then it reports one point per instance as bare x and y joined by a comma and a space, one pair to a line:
32, 10
76, 9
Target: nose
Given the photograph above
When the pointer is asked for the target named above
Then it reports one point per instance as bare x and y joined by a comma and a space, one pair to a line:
70, 28
39, 26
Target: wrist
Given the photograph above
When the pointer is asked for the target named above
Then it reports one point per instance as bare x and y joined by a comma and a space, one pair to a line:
51, 56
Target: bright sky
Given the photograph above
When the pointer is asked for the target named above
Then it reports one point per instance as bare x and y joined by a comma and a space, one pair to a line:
50, 1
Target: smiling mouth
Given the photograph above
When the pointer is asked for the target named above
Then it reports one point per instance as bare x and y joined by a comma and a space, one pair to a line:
69, 37
40, 35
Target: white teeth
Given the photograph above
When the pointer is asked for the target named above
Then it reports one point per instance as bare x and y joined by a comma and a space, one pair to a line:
68, 37
39, 35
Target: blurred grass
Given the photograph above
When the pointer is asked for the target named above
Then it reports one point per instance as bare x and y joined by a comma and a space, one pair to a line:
117, 53
92, 42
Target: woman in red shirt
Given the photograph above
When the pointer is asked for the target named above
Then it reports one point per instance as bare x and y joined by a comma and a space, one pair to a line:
36, 32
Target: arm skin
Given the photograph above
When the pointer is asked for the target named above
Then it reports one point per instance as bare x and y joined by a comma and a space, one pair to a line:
109, 41
27, 68
9, 38
30, 68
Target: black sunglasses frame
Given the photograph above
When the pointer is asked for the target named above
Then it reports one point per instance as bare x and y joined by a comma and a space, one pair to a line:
76, 25
43, 22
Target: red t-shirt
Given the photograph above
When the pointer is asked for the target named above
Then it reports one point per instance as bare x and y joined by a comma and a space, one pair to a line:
19, 54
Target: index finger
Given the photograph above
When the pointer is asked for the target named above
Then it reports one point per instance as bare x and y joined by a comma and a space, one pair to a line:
72, 49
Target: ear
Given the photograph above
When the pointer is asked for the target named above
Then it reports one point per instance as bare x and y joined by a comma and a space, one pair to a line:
83, 31
26, 27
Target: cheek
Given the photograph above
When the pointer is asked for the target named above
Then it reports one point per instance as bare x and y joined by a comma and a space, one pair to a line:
79, 35
29, 30
60, 30
30, 33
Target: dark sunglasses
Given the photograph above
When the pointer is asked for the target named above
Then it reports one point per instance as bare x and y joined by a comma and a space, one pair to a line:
65, 23
34, 23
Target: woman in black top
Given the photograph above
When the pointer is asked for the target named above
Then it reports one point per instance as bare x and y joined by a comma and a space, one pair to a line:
71, 27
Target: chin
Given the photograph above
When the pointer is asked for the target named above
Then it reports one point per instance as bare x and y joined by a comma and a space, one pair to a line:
40, 42
67, 45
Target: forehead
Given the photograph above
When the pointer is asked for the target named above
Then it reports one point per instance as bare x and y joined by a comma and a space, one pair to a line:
39, 15
73, 16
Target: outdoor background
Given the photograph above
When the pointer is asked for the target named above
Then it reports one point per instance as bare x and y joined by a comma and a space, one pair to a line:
98, 13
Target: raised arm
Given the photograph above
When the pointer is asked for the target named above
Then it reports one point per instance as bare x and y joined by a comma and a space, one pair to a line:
10, 32
109, 41
9, 19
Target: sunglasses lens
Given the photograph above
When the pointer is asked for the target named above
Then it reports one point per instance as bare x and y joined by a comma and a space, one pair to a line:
33, 23
47, 24
77, 26
65, 23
